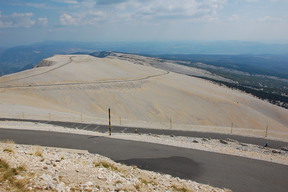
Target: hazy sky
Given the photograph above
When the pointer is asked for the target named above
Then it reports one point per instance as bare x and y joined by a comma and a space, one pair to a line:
29, 21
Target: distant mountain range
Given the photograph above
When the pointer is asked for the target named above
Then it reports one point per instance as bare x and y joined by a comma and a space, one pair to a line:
19, 58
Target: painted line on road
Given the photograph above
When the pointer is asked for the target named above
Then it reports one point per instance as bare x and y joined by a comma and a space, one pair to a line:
96, 128
122, 131
86, 126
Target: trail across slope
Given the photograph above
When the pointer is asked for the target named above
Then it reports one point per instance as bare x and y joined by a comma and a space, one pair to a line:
73, 83
40, 73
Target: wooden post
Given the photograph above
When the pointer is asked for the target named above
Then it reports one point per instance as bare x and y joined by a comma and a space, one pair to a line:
170, 123
81, 118
120, 120
231, 127
77, 176
266, 132
109, 122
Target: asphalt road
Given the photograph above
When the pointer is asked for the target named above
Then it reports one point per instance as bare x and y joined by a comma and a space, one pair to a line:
236, 173
118, 129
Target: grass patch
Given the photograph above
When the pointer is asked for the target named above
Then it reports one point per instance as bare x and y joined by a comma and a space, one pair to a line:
147, 182
106, 165
21, 168
180, 188
38, 151
9, 147
118, 182
137, 187
7, 174
8, 150
7, 141
3, 165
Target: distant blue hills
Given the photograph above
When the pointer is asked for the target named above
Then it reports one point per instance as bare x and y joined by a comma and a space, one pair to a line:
19, 58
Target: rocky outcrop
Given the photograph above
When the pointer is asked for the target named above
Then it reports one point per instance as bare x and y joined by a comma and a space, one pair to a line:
45, 63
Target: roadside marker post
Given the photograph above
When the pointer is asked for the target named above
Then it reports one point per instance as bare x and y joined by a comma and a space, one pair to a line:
266, 132
109, 122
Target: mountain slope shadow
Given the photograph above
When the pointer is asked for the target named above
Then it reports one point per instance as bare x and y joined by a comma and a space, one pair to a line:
176, 166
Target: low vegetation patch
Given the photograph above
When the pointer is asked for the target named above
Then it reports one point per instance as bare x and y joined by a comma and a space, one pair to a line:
147, 182
180, 188
38, 151
106, 165
7, 141
8, 150
7, 174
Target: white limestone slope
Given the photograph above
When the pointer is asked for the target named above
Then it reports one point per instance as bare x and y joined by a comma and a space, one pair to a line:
74, 84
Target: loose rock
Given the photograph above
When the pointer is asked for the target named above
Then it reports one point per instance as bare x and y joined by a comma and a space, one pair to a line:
223, 141
284, 148
276, 151
231, 140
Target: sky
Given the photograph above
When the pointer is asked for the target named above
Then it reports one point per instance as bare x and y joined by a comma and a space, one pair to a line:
28, 21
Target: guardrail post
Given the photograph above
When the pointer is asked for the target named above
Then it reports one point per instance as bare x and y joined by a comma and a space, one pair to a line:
109, 121
266, 132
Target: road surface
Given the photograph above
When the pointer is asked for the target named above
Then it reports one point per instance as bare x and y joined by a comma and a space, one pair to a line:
123, 129
224, 171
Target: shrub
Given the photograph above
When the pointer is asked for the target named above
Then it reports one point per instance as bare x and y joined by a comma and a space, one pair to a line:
8, 150
106, 165
8, 141
180, 188
38, 151
8, 174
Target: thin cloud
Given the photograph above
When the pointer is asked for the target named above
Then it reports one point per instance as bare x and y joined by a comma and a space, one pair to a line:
136, 10
234, 17
20, 20
42, 21
67, 1
66, 19
148, 19
269, 19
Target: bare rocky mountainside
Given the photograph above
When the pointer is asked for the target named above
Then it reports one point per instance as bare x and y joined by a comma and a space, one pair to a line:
141, 92
137, 93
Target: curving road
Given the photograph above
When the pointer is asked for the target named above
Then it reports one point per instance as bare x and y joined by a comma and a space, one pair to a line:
225, 171
121, 129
